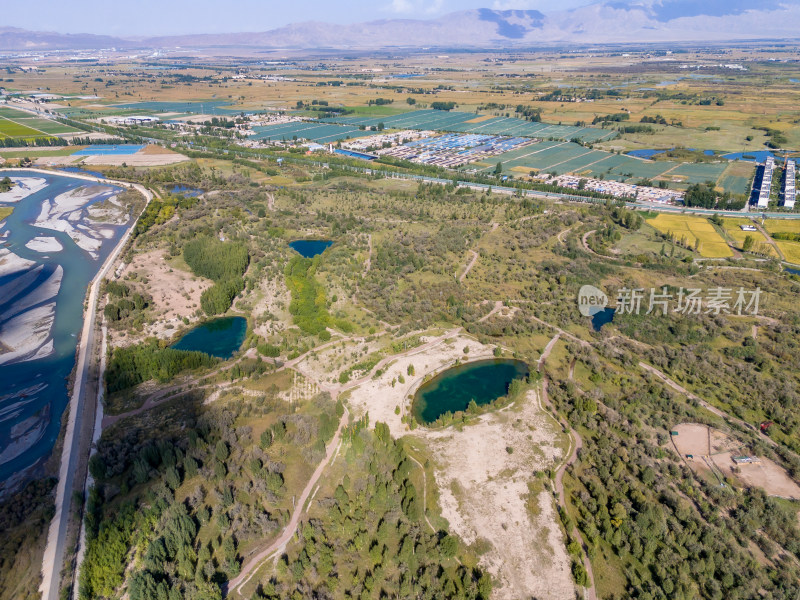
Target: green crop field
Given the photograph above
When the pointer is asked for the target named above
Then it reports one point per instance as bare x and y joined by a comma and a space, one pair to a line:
14, 129
47, 125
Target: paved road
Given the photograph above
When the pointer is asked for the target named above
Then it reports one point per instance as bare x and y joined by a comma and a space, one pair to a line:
53, 559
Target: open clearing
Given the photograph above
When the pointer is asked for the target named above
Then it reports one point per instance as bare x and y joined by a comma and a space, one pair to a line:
713, 451
694, 229
175, 292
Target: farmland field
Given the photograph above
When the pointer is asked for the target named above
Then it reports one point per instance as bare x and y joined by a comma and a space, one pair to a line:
568, 157
782, 225
732, 226
471, 123
791, 251
694, 229
14, 129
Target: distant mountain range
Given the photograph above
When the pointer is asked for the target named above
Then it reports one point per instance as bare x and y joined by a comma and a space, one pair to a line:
607, 21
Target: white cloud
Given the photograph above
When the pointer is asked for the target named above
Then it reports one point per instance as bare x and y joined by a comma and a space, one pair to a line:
417, 7
513, 5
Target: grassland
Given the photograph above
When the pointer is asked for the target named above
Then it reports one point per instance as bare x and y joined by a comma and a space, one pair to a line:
697, 231
5, 211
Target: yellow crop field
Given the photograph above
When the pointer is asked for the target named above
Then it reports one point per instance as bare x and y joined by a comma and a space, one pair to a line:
693, 229
733, 229
791, 251
782, 225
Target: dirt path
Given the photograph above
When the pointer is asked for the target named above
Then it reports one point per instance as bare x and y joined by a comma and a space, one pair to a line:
560, 236
498, 306
469, 266
769, 239
368, 262
424, 491
270, 201
713, 409
278, 545
584, 241
577, 443
547, 350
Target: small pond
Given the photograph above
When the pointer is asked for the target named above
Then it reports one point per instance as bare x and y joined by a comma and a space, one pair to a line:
602, 317
310, 248
186, 191
452, 390
220, 337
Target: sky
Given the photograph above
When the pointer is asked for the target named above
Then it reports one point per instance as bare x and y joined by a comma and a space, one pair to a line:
166, 17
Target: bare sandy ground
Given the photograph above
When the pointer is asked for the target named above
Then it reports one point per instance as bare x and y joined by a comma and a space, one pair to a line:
692, 438
175, 293
380, 398
765, 474
700, 440
23, 187
45, 244
64, 213
136, 160
484, 495
56, 161
11, 263
483, 488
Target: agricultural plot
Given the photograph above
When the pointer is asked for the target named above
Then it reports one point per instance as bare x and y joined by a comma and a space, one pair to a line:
485, 124
732, 226
10, 128
213, 107
47, 126
782, 225
568, 157
696, 230
738, 177
12, 113
322, 133
790, 250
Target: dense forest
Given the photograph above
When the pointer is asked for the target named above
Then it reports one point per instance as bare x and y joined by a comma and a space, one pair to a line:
224, 263
308, 306
132, 365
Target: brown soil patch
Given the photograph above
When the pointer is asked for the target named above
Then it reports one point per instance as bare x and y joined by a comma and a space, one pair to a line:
765, 474
136, 160
692, 438
713, 451
155, 149
481, 119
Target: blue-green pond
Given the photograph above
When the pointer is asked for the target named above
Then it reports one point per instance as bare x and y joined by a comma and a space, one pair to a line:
310, 248
219, 337
452, 390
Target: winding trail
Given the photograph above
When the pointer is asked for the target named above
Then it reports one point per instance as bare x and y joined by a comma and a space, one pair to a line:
585, 242
576, 443
249, 569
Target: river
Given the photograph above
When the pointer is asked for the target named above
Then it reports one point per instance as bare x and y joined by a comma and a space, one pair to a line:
40, 320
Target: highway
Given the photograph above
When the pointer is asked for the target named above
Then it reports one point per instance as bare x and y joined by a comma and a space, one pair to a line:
53, 559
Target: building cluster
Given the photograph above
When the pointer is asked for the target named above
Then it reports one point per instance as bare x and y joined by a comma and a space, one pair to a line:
386, 140
133, 120
789, 189
619, 189
766, 182
455, 149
